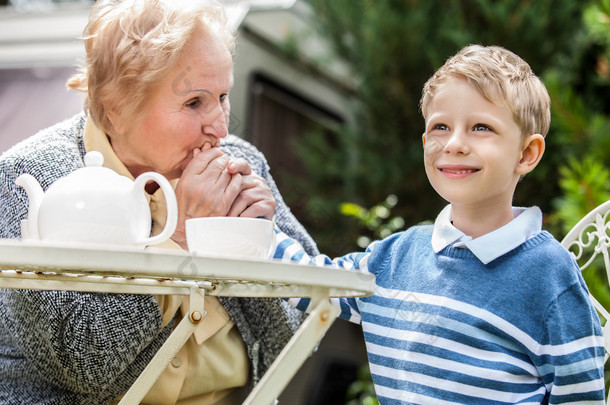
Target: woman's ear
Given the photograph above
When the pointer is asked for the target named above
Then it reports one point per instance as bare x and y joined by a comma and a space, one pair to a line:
116, 121
533, 149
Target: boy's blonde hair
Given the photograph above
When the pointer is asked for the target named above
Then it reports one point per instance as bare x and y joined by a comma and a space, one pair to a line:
501, 77
132, 44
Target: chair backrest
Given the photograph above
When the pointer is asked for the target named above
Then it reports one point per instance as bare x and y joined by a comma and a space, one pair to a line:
587, 240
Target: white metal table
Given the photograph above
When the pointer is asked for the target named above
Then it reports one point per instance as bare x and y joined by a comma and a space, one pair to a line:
46, 266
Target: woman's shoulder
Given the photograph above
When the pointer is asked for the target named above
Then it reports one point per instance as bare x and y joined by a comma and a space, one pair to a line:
239, 146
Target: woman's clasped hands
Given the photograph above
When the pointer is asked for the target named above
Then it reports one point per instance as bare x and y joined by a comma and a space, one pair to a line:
213, 184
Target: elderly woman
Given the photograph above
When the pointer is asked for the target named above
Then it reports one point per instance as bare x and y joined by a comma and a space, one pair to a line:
157, 76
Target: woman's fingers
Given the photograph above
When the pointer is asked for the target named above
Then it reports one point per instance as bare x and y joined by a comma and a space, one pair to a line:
211, 162
206, 188
212, 184
254, 200
240, 166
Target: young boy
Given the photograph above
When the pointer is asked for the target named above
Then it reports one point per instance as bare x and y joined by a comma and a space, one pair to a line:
483, 306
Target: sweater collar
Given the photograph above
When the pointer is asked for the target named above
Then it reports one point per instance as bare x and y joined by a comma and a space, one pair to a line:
527, 223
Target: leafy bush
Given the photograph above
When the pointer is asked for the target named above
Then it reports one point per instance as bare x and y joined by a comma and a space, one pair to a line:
362, 390
375, 220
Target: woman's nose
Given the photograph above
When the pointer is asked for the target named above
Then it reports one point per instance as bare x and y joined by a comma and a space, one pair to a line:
216, 122
457, 143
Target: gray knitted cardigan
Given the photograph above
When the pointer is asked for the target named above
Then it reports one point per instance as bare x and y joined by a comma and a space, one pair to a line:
60, 347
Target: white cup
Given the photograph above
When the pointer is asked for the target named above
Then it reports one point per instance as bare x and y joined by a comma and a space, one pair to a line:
230, 237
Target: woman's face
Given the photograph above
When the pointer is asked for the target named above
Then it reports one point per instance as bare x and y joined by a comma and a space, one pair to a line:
188, 109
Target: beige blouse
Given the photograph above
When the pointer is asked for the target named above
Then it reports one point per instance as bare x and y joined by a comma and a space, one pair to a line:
213, 366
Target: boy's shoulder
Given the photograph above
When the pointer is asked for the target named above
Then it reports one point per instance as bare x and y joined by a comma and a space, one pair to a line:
542, 259
415, 237
413, 233
545, 247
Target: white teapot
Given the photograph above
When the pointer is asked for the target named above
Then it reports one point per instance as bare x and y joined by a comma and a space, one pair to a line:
95, 205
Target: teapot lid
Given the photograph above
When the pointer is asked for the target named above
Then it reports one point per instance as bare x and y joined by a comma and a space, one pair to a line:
94, 176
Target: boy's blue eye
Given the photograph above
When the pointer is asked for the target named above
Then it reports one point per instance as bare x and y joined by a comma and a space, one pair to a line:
441, 127
481, 127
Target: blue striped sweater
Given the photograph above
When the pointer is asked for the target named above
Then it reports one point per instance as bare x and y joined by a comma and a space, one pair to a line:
445, 328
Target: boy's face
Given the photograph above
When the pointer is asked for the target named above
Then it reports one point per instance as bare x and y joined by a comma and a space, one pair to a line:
473, 148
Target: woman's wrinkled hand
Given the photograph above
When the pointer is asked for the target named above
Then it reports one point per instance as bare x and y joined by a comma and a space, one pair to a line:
206, 189
214, 185
255, 198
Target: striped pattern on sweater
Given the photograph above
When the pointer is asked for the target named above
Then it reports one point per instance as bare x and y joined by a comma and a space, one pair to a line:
444, 328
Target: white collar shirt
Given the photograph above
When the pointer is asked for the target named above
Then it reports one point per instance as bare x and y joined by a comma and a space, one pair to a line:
527, 223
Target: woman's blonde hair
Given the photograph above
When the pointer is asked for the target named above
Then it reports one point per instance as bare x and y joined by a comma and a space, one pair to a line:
503, 78
132, 44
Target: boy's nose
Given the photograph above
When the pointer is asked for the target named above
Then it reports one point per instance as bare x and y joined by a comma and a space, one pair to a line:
457, 143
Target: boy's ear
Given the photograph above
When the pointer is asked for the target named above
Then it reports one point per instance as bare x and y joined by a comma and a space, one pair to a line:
533, 149
423, 139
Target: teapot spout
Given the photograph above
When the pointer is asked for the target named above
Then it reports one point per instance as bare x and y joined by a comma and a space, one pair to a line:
35, 196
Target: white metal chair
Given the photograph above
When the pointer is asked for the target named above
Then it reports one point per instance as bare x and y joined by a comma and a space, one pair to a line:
588, 240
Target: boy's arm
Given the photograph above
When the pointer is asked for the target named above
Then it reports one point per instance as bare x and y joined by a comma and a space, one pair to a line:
288, 249
574, 366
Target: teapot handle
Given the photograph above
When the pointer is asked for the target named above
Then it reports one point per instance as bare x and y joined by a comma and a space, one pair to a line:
170, 203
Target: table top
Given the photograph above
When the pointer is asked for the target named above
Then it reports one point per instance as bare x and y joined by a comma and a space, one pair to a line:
152, 269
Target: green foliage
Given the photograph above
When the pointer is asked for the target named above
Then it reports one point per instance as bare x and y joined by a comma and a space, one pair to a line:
580, 128
578, 145
376, 219
362, 391
326, 185
577, 129
585, 185
597, 20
